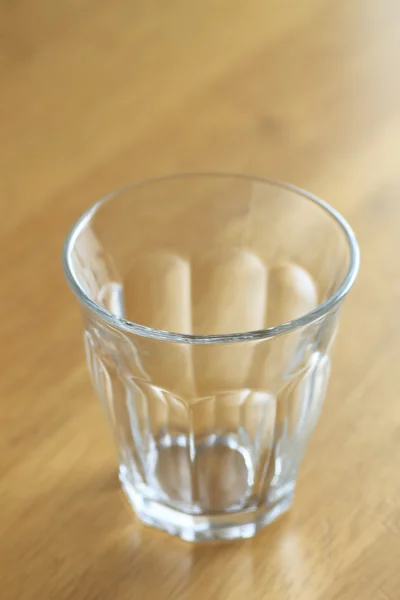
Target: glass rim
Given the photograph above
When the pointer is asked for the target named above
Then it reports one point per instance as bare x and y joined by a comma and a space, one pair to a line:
169, 336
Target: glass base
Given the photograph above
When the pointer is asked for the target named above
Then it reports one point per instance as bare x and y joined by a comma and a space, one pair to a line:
196, 528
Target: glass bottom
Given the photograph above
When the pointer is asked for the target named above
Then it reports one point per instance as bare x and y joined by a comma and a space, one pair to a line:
206, 527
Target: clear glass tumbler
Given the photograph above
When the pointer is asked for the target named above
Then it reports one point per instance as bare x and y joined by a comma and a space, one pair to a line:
210, 304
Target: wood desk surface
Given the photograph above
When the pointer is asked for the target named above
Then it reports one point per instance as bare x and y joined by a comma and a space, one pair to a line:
94, 94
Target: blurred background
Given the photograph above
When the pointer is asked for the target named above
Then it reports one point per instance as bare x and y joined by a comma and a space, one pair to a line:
95, 94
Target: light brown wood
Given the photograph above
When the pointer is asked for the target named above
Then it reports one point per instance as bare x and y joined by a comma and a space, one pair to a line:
94, 94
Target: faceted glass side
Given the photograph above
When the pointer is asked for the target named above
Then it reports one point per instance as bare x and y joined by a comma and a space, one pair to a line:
234, 452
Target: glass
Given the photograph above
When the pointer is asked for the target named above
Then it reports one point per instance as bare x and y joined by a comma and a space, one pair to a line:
210, 304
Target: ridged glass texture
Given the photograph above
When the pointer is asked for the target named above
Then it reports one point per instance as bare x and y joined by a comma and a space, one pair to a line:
210, 431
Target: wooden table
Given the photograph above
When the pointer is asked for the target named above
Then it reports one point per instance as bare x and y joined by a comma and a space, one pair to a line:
96, 93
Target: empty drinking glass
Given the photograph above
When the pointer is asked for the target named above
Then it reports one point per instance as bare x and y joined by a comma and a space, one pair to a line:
210, 304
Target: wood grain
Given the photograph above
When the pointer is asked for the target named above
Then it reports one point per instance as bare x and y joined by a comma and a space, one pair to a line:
94, 94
